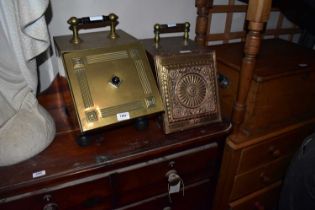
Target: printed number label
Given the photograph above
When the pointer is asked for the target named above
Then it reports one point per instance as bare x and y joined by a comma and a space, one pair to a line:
171, 25
123, 116
95, 18
39, 174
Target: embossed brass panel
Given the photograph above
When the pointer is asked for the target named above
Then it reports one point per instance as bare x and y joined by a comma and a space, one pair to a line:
189, 89
110, 80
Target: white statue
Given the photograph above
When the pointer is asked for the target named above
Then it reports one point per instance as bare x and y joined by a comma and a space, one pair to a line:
25, 127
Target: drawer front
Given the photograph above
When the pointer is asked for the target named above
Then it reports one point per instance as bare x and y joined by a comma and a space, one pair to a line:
122, 186
278, 147
259, 178
91, 195
196, 197
266, 199
279, 101
149, 179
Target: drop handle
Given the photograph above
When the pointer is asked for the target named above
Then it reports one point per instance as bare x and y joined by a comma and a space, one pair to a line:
49, 205
258, 206
172, 177
264, 179
274, 152
175, 183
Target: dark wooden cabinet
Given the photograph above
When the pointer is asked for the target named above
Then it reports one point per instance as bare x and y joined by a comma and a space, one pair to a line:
279, 115
267, 90
123, 168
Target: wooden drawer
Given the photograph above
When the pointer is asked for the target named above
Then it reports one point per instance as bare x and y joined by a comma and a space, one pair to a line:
90, 195
274, 98
194, 198
126, 185
148, 179
259, 178
266, 199
277, 147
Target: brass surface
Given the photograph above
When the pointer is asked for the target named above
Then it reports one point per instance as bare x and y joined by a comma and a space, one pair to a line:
73, 22
113, 22
189, 89
110, 79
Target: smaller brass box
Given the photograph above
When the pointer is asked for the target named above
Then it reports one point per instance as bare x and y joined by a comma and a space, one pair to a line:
187, 79
110, 79
189, 89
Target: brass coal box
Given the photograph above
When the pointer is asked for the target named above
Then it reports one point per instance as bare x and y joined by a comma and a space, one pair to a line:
187, 79
110, 77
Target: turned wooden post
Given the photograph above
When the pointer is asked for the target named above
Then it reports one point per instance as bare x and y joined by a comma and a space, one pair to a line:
202, 21
257, 15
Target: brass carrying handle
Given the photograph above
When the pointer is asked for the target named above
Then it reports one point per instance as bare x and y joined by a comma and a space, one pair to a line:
92, 22
171, 28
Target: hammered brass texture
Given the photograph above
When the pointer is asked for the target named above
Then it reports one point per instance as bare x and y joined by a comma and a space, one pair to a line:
189, 89
110, 80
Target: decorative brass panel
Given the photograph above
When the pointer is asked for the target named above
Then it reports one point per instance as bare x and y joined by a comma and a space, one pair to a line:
189, 89
110, 80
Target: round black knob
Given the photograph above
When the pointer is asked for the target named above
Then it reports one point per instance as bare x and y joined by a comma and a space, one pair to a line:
83, 140
141, 123
115, 80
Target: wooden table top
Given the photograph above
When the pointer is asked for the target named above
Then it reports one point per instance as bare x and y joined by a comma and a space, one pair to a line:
116, 146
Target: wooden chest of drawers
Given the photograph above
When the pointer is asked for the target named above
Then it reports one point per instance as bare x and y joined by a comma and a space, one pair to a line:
283, 86
253, 168
279, 114
123, 168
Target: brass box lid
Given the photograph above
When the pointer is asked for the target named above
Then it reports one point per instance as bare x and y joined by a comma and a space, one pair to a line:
110, 80
189, 89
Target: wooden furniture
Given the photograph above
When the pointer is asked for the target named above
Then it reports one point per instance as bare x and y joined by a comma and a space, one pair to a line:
123, 168
268, 91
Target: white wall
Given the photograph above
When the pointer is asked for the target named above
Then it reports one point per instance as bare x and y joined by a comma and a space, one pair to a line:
136, 17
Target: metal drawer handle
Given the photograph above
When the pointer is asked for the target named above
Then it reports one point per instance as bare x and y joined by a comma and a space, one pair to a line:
50, 205
274, 152
172, 177
259, 206
265, 179
223, 80
175, 183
